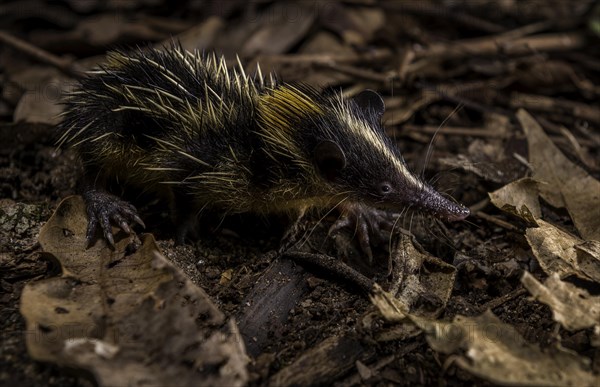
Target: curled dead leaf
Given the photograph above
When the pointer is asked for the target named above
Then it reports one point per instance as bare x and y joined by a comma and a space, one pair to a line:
588, 258
519, 198
420, 278
562, 253
422, 285
574, 308
567, 185
492, 350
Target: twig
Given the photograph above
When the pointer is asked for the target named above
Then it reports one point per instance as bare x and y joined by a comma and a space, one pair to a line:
480, 205
476, 105
553, 105
366, 56
496, 221
356, 72
457, 131
406, 59
586, 59
65, 65
495, 45
422, 8
577, 148
334, 266
527, 30
449, 93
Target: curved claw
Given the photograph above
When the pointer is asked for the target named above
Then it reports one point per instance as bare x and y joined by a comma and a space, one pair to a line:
125, 227
138, 220
367, 223
109, 238
105, 209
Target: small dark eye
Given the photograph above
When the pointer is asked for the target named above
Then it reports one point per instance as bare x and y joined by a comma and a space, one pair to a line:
385, 188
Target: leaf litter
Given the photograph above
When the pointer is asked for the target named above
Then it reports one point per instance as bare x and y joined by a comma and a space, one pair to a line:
564, 183
423, 59
574, 308
109, 309
491, 349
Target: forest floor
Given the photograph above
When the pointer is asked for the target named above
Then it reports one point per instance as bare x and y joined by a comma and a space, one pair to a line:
505, 96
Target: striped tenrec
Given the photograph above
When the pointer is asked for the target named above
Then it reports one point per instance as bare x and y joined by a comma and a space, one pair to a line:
186, 126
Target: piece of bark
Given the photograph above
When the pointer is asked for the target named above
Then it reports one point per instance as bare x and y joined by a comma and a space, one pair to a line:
267, 306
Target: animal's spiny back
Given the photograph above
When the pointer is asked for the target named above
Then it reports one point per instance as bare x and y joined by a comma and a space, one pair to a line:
217, 137
175, 117
173, 87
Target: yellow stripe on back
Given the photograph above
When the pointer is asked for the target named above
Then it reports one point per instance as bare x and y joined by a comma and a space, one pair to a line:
279, 110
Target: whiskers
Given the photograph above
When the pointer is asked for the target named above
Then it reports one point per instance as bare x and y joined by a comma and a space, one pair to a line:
429, 152
424, 226
392, 233
299, 243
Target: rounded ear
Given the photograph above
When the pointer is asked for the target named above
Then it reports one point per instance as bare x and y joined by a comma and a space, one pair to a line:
370, 100
329, 159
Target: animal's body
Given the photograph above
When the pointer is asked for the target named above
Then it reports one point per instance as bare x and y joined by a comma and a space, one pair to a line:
181, 122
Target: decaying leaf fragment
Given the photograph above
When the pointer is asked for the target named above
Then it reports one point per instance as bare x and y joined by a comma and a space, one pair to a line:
495, 351
421, 282
562, 253
588, 258
567, 185
127, 317
392, 309
573, 307
322, 364
420, 278
519, 198
421, 287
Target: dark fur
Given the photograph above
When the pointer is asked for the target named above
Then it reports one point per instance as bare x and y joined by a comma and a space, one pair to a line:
332, 161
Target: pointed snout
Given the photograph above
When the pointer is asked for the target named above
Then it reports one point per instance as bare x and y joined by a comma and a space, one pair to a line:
442, 207
458, 212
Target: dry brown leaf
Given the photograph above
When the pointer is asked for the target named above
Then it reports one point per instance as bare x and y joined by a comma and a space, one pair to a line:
562, 253
573, 307
394, 311
489, 159
127, 317
519, 198
361, 24
281, 26
356, 25
33, 109
105, 29
495, 351
420, 287
40, 102
391, 308
201, 36
588, 258
419, 278
567, 185
319, 43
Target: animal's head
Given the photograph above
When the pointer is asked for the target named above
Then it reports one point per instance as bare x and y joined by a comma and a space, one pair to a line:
342, 144
355, 155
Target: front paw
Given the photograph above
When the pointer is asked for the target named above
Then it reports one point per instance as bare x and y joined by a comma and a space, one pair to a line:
368, 223
103, 209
